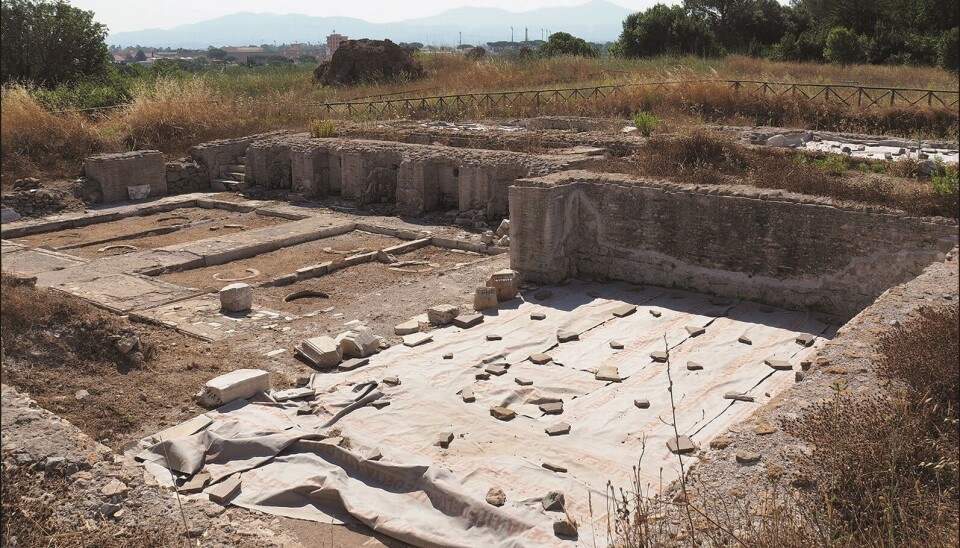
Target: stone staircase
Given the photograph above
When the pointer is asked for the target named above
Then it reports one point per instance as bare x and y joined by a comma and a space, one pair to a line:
232, 177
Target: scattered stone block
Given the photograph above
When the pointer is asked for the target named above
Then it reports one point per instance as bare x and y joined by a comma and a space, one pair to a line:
484, 298
737, 396
496, 497
374, 455
624, 310
391, 381
538, 316
504, 228
444, 439
805, 365
448, 356
553, 501
467, 395
406, 328
502, 413
559, 429
224, 491
695, 330
522, 381
417, 339
779, 365
681, 445
552, 408
616, 345
196, 483
506, 283
542, 294
608, 373
744, 340
359, 343
554, 467
747, 457
482, 376
805, 339
467, 321
114, 487
566, 336
642, 404
565, 528
321, 351
235, 385
442, 314
494, 337
497, 369
293, 394
236, 297
659, 356
353, 363
540, 359
694, 366
655, 313
799, 376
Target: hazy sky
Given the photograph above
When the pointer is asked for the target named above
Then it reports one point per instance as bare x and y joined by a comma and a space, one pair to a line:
126, 15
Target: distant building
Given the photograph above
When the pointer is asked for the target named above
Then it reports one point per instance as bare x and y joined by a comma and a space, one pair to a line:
333, 42
242, 54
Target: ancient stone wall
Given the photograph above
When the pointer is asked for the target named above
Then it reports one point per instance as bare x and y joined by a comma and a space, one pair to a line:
115, 172
218, 155
786, 250
187, 175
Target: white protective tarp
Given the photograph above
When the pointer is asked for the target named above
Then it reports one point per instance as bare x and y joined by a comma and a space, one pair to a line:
427, 495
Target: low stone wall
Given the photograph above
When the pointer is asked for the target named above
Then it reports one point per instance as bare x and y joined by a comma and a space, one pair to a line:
791, 251
115, 172
218, 155
35, 202
186, 176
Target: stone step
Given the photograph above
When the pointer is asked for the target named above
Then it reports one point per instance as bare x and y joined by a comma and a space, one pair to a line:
236, 176
241, 168
242, 160
227, 184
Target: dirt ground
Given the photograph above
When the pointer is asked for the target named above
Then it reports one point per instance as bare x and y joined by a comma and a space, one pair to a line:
280, 262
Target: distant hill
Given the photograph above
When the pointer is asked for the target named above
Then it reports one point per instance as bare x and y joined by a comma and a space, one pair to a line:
596, 21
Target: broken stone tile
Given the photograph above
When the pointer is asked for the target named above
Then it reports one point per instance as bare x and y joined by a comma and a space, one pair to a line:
196, 483
442, 314
502, 413
542, 294
444, 439
494, 337
565, 528
224, 491
467, 395
522, 382
540, 359
655, 313
695, 330
681, 445
466, 321
336, 440
304, 410
805, 339
353, 363
496, 497
417, 339
747, 457
608, 373
659, 356
624, 310
694, 366
566, 336
374, 455
642, 404
552, 408
448, 356
293, 394
482, 376
406, 328
558, 429
391, 381
737, 396
554, 467
616, 345
744, 340
779, 365
380, 404
553, 501
538, 316
497, 369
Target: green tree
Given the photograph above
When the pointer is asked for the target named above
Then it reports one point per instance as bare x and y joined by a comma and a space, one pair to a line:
949, 50
216, 53
844, 46
140, 56
562, 43
665, 30
50, 43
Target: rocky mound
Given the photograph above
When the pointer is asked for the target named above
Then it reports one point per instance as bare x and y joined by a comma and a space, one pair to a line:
366, 61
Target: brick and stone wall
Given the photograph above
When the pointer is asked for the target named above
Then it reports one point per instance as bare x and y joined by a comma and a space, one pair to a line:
115, 172
786, 250
186, 176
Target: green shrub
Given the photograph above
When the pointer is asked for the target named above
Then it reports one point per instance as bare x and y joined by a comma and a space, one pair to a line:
945, 180
845, 47
832, 165
646, 122
322, 128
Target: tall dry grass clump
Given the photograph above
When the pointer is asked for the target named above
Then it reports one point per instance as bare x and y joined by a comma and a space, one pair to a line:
34, 140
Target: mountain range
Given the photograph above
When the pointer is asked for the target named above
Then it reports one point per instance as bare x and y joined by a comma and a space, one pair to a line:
595, 21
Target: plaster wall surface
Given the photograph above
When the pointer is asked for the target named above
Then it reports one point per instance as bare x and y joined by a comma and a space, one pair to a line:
785, 250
